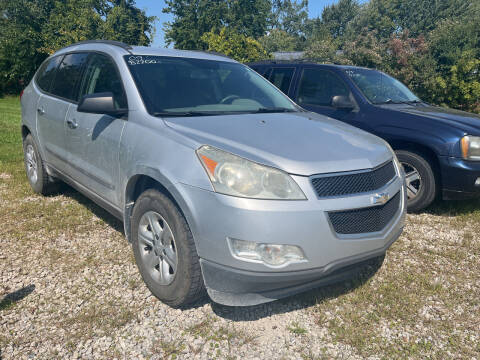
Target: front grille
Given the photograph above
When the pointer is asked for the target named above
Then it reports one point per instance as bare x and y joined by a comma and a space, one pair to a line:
366, 181
365, 220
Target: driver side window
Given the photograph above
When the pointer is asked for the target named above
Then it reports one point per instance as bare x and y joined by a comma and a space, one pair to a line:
318, 87
101, 76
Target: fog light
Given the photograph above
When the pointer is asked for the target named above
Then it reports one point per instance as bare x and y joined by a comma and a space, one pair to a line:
477, 183
269, 254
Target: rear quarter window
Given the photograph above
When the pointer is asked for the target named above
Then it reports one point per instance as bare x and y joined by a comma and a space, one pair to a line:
68, 76
46, 73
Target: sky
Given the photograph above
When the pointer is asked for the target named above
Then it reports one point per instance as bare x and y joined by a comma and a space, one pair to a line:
154, 8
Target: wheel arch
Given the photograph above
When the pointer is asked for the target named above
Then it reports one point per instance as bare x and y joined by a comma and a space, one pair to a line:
149, 178
25, 131
426, 152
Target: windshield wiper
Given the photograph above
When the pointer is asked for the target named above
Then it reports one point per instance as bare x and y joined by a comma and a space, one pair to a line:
215, 113
273, 110
186, 113
390, 101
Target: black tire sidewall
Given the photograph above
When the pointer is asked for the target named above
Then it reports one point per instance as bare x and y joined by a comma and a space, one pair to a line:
429, 186
176, 293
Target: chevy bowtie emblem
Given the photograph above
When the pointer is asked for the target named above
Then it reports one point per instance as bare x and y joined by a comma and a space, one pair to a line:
380, 199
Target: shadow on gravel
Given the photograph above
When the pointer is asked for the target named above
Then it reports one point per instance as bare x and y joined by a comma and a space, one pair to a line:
248, 313
14, 297
68, 191
300, 301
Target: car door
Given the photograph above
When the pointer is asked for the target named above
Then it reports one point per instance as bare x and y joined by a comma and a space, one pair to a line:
94, 139
51, 112
316, 89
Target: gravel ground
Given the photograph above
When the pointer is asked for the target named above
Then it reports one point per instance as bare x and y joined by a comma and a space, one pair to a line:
70, 289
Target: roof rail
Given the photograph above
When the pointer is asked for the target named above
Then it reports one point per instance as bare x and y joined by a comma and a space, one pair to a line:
213, 53
274, 61
107, 42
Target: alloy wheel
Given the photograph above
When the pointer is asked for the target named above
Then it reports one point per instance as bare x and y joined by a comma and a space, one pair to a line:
413, 180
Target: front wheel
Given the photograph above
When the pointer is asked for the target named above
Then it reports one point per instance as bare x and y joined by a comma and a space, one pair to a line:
420, 180
164, 250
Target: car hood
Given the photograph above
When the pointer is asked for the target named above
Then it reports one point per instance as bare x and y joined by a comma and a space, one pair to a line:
459, 119
298, 143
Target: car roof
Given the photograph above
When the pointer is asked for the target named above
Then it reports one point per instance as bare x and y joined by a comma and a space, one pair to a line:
121, 49
278, 63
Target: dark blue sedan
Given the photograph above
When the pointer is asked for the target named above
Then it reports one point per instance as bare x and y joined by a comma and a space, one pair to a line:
438, 147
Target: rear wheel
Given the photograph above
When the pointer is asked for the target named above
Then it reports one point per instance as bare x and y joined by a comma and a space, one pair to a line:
164, 250
34, 167
420, 179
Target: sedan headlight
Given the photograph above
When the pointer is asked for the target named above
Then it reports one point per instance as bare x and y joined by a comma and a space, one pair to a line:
470, 146
236, 176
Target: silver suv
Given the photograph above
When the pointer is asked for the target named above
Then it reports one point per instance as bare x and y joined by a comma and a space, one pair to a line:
223, 184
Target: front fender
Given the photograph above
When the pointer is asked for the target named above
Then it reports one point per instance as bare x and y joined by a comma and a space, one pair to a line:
172, 187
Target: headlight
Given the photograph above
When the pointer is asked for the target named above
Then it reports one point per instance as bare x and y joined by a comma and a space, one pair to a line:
236, 176
269, 254
470, 146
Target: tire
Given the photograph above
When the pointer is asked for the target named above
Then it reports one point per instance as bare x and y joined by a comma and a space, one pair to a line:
155, 251
35, 168
415, 165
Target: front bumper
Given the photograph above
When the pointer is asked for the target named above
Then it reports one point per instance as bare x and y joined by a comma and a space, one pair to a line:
233, 287
459, 177
214, 218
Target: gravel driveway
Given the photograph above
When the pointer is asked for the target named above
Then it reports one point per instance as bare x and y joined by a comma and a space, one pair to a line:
70, 289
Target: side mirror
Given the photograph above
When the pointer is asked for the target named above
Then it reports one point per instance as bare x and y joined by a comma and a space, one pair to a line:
342, 102
100, 103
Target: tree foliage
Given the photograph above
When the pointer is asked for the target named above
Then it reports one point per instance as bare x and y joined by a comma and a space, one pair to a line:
193, 18
237, 46
30, 30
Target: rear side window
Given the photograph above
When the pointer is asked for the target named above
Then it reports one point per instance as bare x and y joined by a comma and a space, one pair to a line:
282, 78
101, 75
68, 76
318, 87
46, 73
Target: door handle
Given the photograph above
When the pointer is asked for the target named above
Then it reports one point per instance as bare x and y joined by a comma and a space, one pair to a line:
41, 111
72, 124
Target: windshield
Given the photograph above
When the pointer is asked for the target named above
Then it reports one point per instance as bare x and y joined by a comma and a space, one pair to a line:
380, 88
173, 86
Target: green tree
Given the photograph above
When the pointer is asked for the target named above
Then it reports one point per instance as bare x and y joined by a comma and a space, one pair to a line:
324, 51
290, 16
127, 23
336, 17
278, 40
20, 36
193, 18
237, 46
30, 30
248, 17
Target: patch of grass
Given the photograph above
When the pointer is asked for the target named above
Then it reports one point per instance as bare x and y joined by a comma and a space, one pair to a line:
168, 349
201, 329
296, 329
6, 304
98, 318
